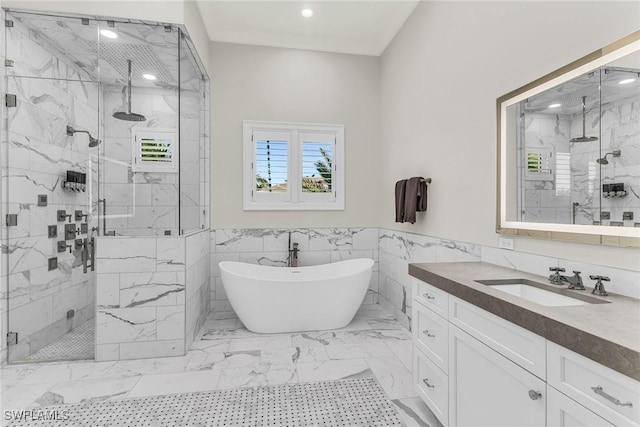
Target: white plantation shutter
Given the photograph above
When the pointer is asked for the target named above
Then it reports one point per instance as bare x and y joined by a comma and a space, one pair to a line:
154, 150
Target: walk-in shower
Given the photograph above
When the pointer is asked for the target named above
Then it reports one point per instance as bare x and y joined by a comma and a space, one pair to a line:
76, 92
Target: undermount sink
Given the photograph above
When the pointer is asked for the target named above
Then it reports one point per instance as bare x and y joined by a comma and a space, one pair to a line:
536, 292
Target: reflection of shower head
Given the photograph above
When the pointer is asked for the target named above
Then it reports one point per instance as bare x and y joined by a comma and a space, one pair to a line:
584, 138
604, 161
93, 142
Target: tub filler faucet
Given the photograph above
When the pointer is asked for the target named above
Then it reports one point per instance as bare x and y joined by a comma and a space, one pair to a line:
292, 259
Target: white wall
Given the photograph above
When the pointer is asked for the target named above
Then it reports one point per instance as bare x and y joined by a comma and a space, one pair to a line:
263, 83
440, 78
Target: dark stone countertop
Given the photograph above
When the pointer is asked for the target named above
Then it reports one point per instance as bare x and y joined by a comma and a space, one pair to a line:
606, 333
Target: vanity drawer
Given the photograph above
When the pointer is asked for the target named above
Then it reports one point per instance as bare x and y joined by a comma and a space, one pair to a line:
432, 385
608, 393
517, 344
431, 333
431, 297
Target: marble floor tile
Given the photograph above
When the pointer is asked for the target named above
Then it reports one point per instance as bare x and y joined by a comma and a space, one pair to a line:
70, 371
332, 370
414, 413
260, 343
358, 351
403, 350
212, 346
394, 378
181, 382
137, 367
21, 397
12, 375
251, 376
87, 391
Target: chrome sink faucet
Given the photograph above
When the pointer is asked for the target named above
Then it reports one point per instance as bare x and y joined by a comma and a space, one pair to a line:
556, 278
575, 282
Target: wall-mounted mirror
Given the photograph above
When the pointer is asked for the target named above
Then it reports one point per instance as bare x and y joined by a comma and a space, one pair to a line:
569, 151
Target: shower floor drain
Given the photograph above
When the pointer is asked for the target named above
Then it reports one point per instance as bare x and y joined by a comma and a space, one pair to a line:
75, 345
355, 402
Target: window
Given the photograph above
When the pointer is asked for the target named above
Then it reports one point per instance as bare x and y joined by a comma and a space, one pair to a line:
293, 166
154, 150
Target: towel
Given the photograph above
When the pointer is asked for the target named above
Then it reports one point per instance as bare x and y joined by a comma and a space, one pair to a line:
400, 192
422, 196
415, 198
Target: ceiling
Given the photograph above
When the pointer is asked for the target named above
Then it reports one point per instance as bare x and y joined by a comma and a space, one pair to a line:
358, 27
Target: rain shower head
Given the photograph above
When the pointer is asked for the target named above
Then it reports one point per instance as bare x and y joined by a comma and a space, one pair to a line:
604, 161
584, 138
128, 115
93, 142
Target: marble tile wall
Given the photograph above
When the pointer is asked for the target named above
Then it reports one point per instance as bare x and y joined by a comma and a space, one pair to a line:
393, 251
397, 249
36, 153
269, 247
141, 296
198, 260
152, 294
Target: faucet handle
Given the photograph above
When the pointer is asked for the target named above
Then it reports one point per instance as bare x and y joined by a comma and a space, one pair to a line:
557, 269
598, 288
577, 273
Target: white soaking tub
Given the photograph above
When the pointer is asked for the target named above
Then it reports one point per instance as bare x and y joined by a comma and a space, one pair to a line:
289, 299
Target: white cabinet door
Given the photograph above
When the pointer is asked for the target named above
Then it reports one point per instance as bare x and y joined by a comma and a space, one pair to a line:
565, 412
487, 389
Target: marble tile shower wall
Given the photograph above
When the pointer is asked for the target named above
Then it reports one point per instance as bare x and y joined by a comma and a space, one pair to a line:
140, 203
198, 256
36, 153
269, 247
397, 249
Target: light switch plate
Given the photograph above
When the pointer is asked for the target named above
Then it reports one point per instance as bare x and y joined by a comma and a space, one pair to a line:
507, 243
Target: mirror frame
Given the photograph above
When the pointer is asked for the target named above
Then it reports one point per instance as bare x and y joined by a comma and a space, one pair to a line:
596, 234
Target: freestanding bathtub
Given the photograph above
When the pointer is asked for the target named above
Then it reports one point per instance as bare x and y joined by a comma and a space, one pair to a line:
289, 299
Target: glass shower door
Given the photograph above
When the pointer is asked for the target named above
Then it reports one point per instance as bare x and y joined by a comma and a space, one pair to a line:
49, 169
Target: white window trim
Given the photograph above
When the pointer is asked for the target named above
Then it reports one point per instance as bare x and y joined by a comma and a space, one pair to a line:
297, 201
171, 167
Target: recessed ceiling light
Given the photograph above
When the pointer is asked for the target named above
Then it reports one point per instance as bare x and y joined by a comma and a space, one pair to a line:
554, 105
307, 13
109, 34
626, 81
149, 76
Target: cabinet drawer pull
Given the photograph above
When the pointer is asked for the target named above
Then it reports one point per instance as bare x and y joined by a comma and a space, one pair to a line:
426, 332
601, 392
534, 395
426, 382
427, 296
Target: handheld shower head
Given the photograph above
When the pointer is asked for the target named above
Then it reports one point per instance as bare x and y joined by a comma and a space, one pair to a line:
93, 142
604, 161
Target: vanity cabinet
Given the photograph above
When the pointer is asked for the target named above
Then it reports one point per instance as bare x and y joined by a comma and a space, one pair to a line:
487, 389
473, 368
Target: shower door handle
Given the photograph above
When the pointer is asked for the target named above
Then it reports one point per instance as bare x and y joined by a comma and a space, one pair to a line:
85, 255
88, 254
